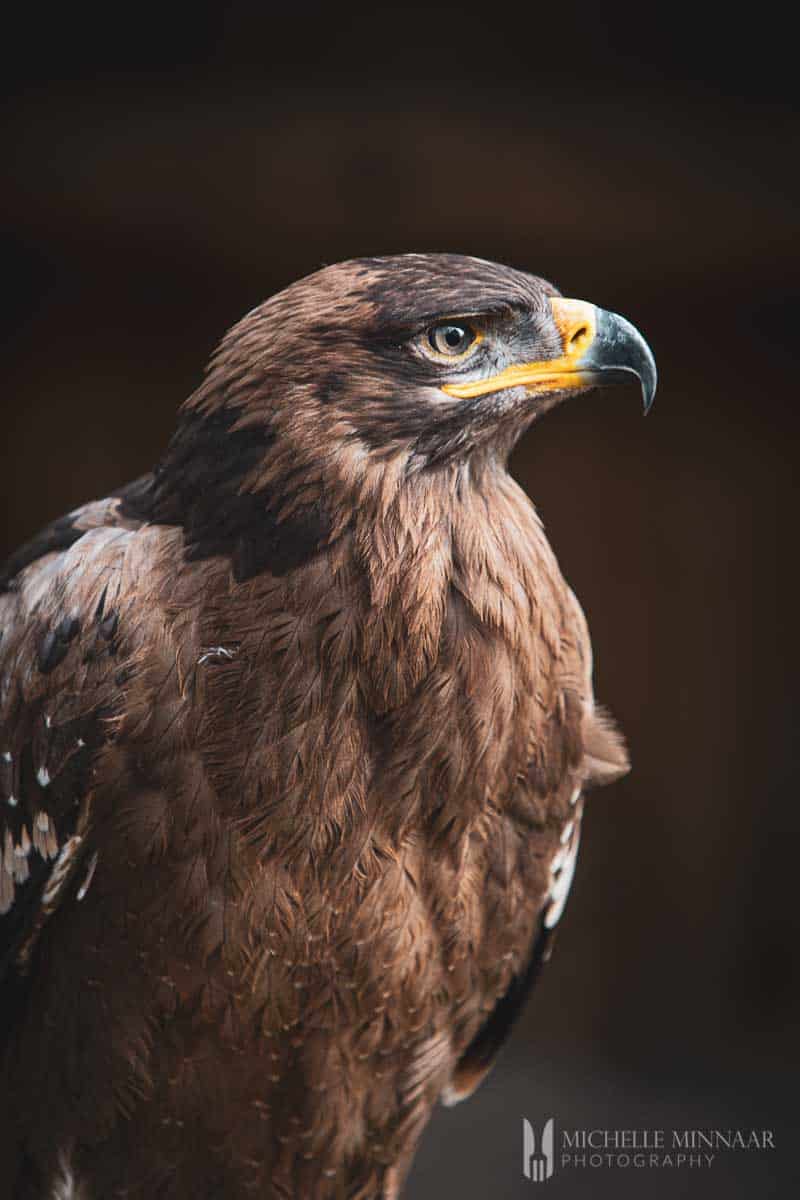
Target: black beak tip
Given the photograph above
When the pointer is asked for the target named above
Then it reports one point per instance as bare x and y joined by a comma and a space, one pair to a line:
649, 381
620, 350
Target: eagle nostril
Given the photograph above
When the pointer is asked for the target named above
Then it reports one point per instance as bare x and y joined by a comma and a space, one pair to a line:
578, 337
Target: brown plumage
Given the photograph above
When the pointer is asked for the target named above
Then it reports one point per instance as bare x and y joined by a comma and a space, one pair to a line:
293, 737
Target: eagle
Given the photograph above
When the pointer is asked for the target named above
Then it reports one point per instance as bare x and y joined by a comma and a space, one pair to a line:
294, 738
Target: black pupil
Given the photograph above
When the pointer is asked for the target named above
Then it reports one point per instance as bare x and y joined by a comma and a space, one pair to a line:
456, 338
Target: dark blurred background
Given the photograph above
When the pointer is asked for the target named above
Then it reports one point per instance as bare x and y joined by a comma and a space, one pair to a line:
165, 172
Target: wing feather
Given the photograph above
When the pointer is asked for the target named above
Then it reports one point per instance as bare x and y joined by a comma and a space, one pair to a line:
58, 699
588, 739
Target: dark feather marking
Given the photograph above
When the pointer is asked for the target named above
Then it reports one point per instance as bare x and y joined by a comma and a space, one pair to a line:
68, 628
482, 1051
197, 486
135, 497
101, 604
55, 644
59, 535
108, 626
51, 652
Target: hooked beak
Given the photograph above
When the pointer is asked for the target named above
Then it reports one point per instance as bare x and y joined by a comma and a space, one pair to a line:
597, 348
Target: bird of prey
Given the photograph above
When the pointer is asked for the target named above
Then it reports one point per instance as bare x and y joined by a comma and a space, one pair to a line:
294, 735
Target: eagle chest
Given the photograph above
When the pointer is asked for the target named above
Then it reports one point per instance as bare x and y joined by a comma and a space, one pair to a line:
388, 837
456, 806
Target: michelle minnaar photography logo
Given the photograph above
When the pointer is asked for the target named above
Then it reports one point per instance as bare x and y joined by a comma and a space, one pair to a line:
537, 1156
547, 1148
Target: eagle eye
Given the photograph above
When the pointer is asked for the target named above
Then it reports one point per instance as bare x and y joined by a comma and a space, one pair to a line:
451, 338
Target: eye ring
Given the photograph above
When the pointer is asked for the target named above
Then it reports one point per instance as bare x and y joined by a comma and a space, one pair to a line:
452, 339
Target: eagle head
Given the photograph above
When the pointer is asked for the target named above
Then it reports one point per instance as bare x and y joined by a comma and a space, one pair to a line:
368, 370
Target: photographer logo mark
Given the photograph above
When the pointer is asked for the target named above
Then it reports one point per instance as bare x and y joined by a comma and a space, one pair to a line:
537, 1164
